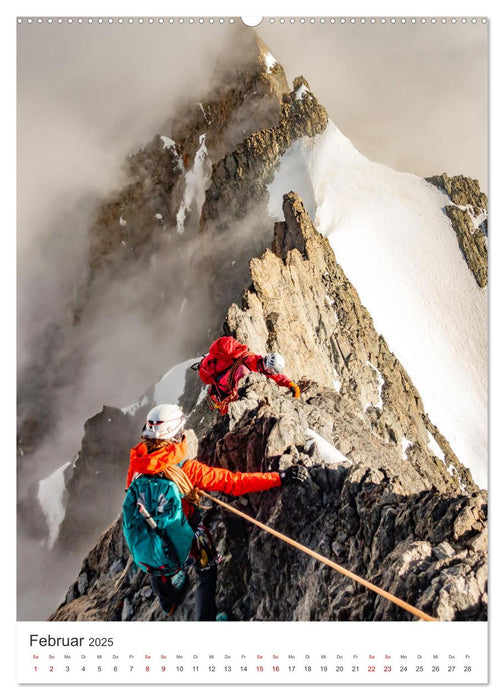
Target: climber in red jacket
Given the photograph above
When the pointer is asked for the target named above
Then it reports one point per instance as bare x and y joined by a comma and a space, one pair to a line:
163, 450
228, 361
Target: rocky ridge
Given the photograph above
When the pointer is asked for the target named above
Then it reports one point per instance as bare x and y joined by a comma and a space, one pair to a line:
469, 219
384, 506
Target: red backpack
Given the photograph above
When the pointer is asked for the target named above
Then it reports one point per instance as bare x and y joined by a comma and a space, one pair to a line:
218, 368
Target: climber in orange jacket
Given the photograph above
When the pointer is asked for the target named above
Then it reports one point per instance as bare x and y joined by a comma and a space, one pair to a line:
162, 451
228, 361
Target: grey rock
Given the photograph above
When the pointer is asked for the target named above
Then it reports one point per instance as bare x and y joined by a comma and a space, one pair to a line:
82, 583
443, 551
127, 611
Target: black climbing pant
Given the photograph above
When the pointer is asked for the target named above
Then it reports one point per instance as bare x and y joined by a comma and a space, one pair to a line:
205, 607
169, 598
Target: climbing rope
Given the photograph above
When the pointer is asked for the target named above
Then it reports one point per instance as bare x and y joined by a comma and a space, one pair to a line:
376, 589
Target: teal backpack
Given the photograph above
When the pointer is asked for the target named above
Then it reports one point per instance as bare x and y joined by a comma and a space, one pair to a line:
156, 530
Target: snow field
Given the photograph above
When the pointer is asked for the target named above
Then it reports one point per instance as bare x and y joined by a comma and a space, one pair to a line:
396, 245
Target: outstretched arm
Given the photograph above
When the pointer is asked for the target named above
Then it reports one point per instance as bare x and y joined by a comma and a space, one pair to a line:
225, 481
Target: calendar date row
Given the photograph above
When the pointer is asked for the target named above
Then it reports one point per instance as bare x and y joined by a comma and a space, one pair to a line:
292, 668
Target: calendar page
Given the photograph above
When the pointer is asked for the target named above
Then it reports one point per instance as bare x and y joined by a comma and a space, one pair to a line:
252, 348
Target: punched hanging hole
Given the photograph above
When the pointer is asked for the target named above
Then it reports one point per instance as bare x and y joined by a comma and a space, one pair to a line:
251, 21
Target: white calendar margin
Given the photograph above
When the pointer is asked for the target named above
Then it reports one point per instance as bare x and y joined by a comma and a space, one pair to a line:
11, 628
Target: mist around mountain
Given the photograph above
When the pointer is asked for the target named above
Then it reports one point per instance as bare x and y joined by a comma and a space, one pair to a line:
374, 290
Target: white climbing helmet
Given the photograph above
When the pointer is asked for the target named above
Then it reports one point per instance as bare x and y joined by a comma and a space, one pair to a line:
164, 422
274, 363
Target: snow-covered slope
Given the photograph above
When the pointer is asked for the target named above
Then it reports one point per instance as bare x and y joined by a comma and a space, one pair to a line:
169, 389
51, 495
395, 243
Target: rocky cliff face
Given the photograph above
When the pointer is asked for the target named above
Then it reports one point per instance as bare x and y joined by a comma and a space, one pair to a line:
103, 453
386, 497
469, 219
202, 140
249, 167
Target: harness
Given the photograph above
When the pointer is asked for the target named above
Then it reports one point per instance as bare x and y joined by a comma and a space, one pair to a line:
219, 397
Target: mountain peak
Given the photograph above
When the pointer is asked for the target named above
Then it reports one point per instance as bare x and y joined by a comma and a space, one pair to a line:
245, 95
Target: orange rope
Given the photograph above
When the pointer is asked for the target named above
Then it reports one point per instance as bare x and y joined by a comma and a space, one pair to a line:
392, 598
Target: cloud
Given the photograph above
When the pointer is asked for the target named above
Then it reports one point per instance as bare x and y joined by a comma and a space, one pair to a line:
413, 96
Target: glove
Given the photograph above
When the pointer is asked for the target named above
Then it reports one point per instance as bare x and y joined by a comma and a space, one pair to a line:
295, 390
295, 473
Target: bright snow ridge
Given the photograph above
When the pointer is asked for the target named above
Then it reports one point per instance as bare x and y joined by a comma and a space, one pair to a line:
204, 113
328, 452
133, 408
167, 142
171, 387
381, 382
396, 245
270, 61
50, 494
434, 446
196, 183
302, 90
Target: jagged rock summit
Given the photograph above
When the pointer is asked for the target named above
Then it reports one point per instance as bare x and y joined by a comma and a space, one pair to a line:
379, 501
